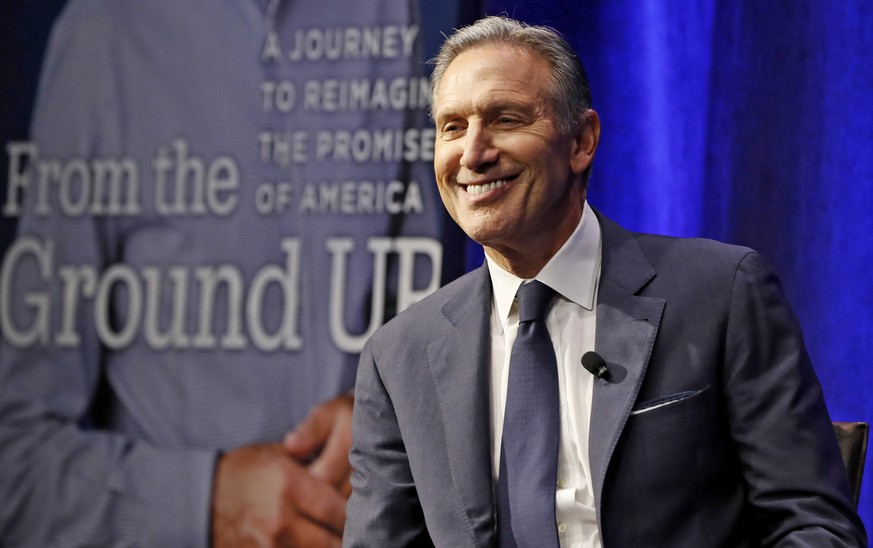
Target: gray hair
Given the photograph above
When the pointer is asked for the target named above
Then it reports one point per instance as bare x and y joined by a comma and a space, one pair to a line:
569, 87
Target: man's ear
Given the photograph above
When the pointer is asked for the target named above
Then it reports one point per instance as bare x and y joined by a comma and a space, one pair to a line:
585, 139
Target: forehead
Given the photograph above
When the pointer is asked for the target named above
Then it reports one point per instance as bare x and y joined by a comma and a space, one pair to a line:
492, 73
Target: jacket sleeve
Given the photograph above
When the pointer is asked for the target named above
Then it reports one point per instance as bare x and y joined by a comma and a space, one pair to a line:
384, 509
795, 478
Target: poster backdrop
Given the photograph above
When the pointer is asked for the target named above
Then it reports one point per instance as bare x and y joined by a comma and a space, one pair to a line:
207, 208
747, 122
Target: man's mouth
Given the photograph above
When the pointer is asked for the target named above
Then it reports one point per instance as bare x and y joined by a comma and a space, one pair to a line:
484, 188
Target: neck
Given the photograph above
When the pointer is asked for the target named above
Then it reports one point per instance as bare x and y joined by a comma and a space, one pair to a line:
526, 259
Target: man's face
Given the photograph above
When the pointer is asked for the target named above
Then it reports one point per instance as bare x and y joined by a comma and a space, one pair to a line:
506, 173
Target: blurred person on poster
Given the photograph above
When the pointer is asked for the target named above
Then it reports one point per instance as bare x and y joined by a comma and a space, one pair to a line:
586, 386
219, 202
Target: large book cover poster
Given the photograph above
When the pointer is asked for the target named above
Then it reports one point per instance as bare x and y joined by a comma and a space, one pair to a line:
207, 208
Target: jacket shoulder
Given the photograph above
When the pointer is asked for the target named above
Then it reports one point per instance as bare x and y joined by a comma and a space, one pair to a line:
441, 305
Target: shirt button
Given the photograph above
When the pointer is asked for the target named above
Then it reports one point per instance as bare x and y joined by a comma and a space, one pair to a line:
562, 483
562, 528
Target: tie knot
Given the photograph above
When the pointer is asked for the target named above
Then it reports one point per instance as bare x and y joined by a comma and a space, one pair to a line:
534, 300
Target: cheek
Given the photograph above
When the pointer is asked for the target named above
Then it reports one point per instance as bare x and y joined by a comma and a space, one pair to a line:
446, 159
443, 181
444, 191
449, 201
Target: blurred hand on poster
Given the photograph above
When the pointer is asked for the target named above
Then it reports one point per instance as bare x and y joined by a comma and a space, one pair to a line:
325, 438
264, 498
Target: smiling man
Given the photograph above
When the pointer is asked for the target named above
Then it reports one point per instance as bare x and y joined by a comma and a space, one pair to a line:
701, 422
508, 172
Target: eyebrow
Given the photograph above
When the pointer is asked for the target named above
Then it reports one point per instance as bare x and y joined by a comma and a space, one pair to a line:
488, 106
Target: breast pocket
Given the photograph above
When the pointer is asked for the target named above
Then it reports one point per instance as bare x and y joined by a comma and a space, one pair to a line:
675, 412
663, 437
662, 456
672, 399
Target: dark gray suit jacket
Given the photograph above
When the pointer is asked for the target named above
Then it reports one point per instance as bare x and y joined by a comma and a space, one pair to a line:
742, 454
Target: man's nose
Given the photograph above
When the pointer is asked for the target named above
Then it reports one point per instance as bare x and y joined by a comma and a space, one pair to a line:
479, 149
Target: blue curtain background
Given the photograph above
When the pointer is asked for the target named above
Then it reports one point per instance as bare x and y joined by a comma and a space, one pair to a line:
751, 123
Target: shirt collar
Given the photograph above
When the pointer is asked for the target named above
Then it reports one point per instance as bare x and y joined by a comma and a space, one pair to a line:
572, 271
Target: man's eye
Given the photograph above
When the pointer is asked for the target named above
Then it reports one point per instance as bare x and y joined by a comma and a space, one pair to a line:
450, 130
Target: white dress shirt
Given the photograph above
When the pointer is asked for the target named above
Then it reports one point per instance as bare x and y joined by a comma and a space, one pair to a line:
573, 273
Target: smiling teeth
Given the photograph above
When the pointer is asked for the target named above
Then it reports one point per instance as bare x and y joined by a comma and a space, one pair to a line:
478, 190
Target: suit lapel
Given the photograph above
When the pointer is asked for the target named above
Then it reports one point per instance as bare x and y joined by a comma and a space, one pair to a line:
459, 363
627, 325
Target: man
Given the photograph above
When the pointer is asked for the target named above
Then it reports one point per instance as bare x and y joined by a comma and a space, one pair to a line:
704, 426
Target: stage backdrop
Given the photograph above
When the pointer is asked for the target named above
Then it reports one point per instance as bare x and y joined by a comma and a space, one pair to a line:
747, 122
743, 121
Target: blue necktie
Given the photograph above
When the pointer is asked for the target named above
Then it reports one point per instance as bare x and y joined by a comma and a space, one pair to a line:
531, 423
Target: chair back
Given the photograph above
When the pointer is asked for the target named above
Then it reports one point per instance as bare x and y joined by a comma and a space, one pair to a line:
852, 438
